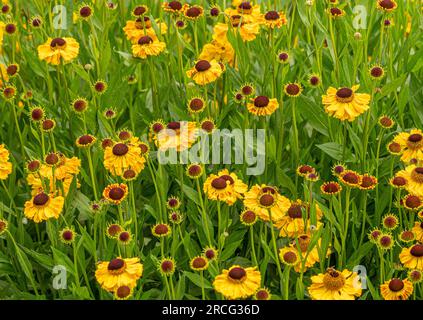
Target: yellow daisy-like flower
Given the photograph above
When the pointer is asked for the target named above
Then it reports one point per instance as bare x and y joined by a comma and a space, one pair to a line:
193, 12
344, 103
249, 12
266, 202
335, 285
412, 258
289, 256
122, 156
224, 186
274, 19
5, 164
414, 176
43, 207
386, 5
135, 29
410, 145
237, 282
199, 263
418, 231
115, 193
205, 72
297, 220
396, 289
118, 272
293, 90
123, 293
4, 76
247, 31
56, 50
335, 12
262, 106
148, 46
219, 50
179, 135
309, 256
174, 6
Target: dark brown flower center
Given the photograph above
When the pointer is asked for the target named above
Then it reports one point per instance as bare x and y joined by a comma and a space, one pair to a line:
261, 101
247, 90
116, 193
290, 257
268, 190
36, 22
210, 254
12, 69
386, 4
167, 266
125, 135
52, 159
246, 5
367, 182
237, 273
175, 5
385, 241
116, 264
129, 174
37, 114
33, 165
292, 89
113, 230
396, 285
196, 104
10, 28
331, 187
123, 291
85, 140
394, 147
413, 202
351, 177
41, 199
335, 11
67, 235
140, 10
199, 262
161, 229
120, 149
417, 250
214, 12
145, 40
80, 105
271, 15
344, 93
207, 125
193, 12
283, 56
267, 200
194, 170
295, 211
376, 72
172, 203
57, 43
106, 143
202, 65
248, 216
85, 12
333, 280
48, 124
262, 295
124, 236
416, 137
219, 183
314, 80
174, 125
100, 86
228, 178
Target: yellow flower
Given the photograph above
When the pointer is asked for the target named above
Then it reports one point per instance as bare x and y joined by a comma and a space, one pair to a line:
289, 256
345, 103
247, 31
43, 207
135, 29
309, 256
266, 202
5, 164
249, 12
179, 135
297, 220
119, 272
174, 6
410, 144
262, 106
414, 176
335, 285
205, 72
412, 258
115, 193
224, 186
219, 50
4, 76
386, 5
418, 231
58, 49
237, 282
122, 156
396, 289
148, 46
274, 19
